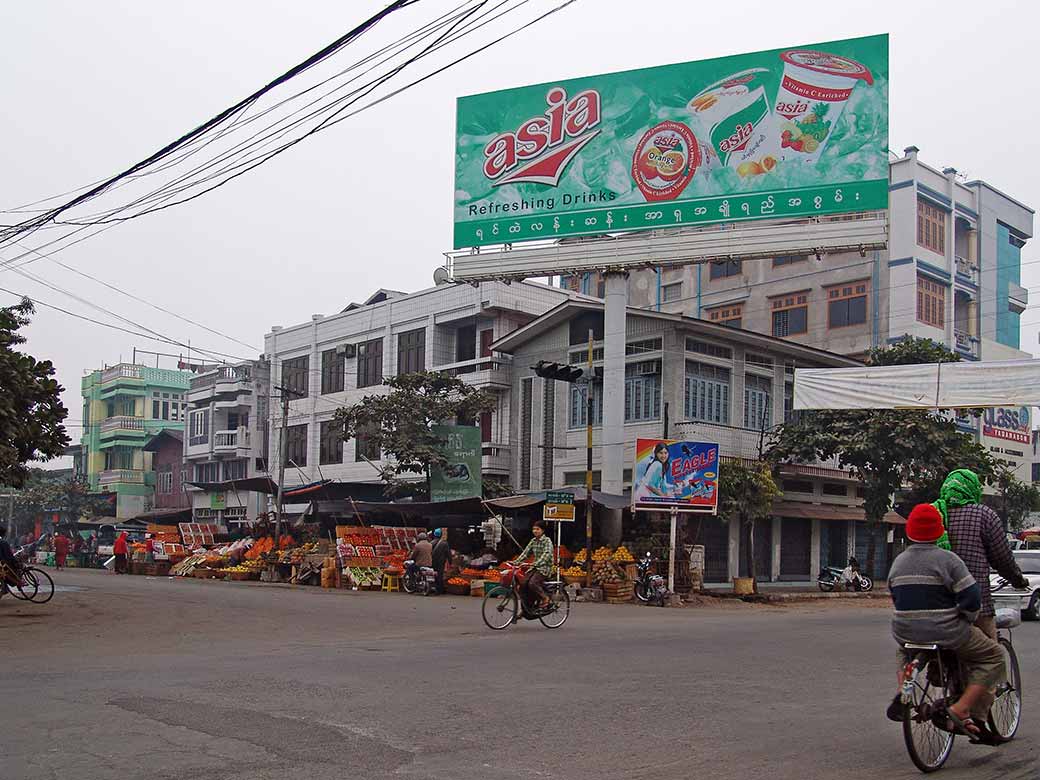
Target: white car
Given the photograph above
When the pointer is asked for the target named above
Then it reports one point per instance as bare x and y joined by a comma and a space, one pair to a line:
1004, 596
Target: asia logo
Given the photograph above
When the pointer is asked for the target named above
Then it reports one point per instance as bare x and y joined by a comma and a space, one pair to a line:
1010, 424
541, 147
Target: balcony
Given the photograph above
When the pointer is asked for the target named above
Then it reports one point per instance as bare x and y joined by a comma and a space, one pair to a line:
122, 371
122, 423
1018, 298
481, 372
966, 344
496, 458
229, 441
121, 476
967, 270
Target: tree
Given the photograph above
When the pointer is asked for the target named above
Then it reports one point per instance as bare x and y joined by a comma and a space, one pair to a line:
746, 495
886, 449
31, 411
402, 421
41, 494
1016, 499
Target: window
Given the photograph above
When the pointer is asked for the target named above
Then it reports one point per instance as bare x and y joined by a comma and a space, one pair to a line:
199, 427
235, 469
155, 410
207, 472
788, 260
835, 489
366, 446
485, 427
763, 361
578, 418
707, 393
582, 358
757, 402
790, 314
705, 348
370, 363
847, 305
789, 413
931, 301
332, 370
643, 391
295, 373
797, 486
411, 351
486, 339
330, 447
730, 316
671, 292
575, 478
640, 347
931, 226
164, 482
721, 269
466, 343
296, 445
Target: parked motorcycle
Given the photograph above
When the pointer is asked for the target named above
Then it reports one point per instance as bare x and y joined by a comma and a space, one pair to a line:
831, 577
418, 579
650, 588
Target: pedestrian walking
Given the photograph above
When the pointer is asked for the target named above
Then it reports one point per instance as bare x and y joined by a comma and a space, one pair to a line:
61, 549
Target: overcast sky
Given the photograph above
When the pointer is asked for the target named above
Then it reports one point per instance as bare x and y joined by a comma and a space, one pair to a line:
93, 87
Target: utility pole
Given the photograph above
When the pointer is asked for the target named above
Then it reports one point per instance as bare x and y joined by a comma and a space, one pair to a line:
588, 467
287, 395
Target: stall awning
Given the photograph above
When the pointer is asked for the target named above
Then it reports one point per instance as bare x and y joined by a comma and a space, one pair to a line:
522, 500
183, 514
829, 512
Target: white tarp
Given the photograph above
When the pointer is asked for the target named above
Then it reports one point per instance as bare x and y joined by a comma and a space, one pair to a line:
928, 386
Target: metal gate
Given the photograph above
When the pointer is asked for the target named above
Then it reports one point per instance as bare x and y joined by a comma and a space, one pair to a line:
714, 535
795, 548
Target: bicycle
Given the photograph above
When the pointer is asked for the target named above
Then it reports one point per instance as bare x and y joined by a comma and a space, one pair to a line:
932, 681
506, 602
29, 583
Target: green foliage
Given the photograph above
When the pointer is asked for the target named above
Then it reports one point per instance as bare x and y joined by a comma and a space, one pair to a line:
887, 449
402, 420
41, 493
746, 494
31, 412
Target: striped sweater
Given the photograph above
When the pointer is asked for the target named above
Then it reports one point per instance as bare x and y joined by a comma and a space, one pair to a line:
936, 599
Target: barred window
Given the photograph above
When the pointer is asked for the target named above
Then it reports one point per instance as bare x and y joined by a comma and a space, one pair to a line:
296, 445
578, 417
707, 393
296, 374
931, 302
931, 226
330, 446
757, 402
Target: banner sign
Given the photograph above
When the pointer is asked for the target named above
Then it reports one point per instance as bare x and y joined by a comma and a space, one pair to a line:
460, 477
558, 507
1007, 423
679, 474
784, 133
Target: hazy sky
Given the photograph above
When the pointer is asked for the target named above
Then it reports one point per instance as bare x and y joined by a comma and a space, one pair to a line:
93, 87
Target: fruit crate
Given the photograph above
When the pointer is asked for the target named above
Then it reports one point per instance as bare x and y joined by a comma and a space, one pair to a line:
457, 590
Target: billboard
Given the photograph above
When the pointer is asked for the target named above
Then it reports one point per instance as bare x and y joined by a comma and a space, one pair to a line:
558, 507
676, 474
1008, 424
783, 133
460, 477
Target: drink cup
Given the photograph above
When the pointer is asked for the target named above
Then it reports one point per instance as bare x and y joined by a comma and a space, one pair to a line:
734, 114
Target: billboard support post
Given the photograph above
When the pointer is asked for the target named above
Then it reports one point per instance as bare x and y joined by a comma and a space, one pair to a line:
671, 550
588, 468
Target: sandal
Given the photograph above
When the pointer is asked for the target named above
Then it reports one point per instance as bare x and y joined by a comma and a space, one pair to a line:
966, 727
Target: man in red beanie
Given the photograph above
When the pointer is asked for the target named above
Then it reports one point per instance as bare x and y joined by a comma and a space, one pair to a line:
936, 602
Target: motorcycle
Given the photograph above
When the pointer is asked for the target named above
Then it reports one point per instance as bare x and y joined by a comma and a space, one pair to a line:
650, 588
832, 576
418, 579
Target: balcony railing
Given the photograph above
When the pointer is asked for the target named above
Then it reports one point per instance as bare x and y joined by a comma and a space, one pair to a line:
966, 343
486, 369
230, 440
122, 423
496, 457
122, 371
967, 270
113, 476
222, 374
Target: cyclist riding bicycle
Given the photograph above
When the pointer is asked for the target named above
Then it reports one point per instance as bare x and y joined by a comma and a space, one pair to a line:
541, 547
10, 566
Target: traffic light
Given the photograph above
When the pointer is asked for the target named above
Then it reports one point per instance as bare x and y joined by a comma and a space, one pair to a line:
565, 373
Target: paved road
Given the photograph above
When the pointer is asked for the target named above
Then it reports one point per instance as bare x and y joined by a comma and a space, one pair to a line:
132, 677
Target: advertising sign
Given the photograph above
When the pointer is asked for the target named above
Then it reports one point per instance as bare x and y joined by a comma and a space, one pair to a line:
1007, 423
217, 500
460, 477
783, 133
558, 507
676, 474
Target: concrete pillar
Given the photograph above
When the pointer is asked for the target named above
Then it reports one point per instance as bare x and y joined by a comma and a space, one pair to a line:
614, 446
851, 539
775, 573
734, 550
814, 550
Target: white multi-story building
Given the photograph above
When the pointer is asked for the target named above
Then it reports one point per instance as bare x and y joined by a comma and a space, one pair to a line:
226, 440
334, 361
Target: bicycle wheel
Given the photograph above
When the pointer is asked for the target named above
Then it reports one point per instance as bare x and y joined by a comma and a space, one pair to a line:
560, 609
928, 745
44, 585
499, 608
27, 587
1006, 712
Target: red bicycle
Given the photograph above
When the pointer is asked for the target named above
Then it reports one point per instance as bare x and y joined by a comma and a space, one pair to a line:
506, 602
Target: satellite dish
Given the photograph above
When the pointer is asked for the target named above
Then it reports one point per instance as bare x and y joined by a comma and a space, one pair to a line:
441, 276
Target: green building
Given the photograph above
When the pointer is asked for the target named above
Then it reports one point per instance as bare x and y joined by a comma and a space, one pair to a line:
123, 407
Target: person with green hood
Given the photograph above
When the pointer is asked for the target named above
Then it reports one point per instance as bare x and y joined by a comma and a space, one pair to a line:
976, 534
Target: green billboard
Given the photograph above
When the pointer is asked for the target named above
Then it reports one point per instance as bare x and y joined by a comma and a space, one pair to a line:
789, 132
460, 476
